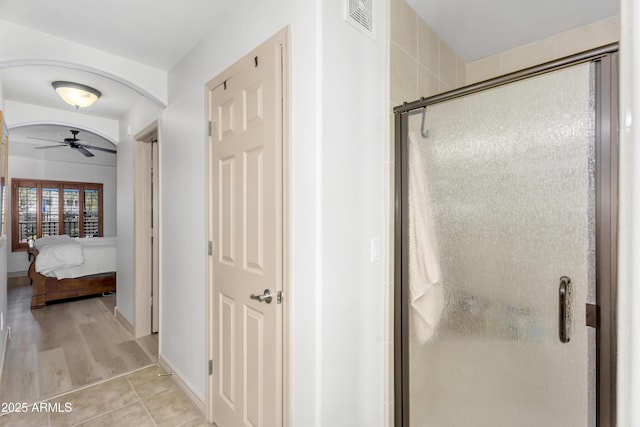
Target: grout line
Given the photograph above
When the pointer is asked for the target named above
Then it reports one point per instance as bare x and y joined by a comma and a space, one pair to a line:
144, 406
108, 412
84, 387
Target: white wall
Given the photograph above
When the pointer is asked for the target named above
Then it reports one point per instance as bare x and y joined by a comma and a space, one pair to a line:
141, 116
353, 143
337, 140
32, 168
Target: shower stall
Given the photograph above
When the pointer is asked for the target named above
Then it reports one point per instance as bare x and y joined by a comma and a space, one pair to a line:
505, 246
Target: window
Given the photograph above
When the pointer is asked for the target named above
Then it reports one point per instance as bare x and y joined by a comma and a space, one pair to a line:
49, 208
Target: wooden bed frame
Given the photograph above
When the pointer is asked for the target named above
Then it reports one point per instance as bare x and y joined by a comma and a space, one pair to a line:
47, 289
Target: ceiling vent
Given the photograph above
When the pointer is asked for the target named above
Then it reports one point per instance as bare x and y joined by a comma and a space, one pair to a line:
360, 15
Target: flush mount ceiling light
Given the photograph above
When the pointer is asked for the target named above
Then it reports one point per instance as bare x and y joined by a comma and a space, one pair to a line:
76, 94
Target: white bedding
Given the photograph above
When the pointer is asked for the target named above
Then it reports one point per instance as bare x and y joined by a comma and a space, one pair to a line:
98, 255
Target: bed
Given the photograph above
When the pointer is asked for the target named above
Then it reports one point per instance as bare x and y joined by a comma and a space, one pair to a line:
63, 267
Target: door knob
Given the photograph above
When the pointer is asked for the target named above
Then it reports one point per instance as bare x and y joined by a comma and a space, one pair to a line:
267, 296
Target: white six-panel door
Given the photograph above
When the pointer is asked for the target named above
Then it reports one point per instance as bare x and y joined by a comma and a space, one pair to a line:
246, 229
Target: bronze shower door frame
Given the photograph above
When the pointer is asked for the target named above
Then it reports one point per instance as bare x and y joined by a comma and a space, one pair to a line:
603, 316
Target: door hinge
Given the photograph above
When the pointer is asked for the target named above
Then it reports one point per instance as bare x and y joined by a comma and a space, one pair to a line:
210, 128
593, 315
210, 367
210, 248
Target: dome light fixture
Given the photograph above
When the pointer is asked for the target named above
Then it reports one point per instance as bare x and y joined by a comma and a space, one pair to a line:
76, 94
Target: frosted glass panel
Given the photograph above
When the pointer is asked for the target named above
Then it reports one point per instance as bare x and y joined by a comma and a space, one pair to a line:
501, 202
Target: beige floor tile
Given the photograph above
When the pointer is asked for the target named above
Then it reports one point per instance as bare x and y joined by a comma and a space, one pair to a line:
131, 415
198, 422
93, 401
147, 383
27, 419
170, 408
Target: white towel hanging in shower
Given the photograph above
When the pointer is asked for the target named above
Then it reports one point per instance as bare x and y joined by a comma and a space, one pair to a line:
425, 277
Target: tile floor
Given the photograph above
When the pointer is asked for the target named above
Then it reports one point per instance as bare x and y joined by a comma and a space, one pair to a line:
140, 398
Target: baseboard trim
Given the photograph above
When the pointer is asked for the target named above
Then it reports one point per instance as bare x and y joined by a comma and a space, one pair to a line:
198, 401
123, 321
13, 274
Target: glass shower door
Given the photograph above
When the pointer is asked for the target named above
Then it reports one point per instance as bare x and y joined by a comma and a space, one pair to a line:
501, 255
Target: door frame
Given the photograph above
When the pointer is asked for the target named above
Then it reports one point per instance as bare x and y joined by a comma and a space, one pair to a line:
145, 256
603, 316
282, 37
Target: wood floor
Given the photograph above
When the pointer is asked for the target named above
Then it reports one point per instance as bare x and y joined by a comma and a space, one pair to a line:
65, 346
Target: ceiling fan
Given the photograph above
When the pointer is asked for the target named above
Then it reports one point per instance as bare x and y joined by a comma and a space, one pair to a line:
78, 144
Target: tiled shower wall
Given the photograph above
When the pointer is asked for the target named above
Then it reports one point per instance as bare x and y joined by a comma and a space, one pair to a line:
421, 65
579, 39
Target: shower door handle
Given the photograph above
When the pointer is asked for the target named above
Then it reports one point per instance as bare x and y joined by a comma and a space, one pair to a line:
564, 296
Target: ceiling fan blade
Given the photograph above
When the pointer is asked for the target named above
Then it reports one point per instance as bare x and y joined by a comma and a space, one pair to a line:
50, 146
108, 150
45, 139
84, 151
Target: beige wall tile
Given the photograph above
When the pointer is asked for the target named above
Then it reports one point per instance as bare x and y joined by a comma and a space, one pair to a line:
448, 64
428, 83
404, 27
583, 38
404, 78
444, 87
529, 55
461, 73
589, 36
428, 48
483, 69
